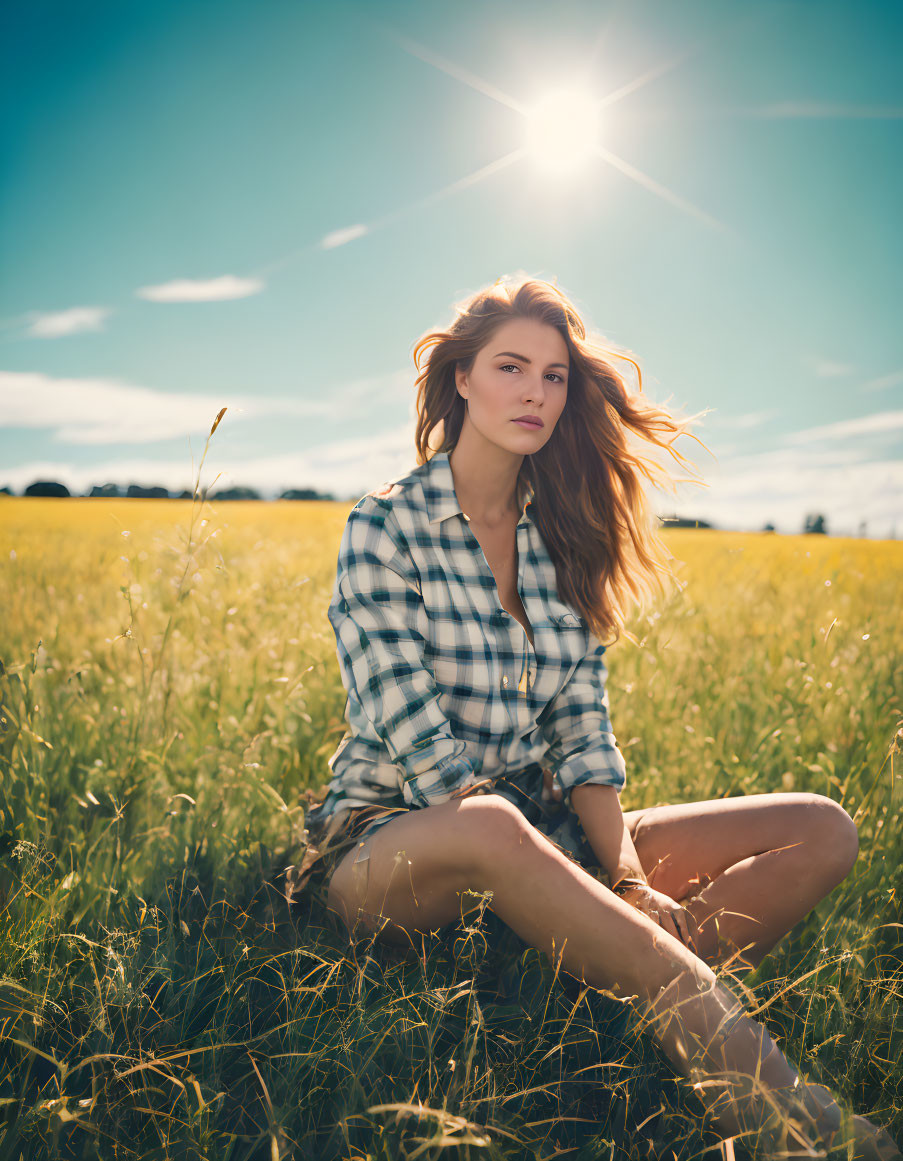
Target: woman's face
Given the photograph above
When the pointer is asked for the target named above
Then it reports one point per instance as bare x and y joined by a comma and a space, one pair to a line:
522, 371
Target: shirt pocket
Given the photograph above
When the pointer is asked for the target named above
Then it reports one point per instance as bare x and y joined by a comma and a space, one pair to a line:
558, 613
561, 638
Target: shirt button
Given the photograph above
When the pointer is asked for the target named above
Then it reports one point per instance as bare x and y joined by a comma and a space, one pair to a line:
505, 679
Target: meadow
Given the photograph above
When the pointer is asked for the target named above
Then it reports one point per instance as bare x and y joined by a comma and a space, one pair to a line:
168, 692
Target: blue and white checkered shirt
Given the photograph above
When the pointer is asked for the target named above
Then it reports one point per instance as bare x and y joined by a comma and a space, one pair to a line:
444, 688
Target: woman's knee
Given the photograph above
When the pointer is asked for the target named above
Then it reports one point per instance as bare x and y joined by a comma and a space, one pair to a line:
831, 832
493, 824
835, 833
492, 814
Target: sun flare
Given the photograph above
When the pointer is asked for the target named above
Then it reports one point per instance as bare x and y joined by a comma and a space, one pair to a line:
562, 130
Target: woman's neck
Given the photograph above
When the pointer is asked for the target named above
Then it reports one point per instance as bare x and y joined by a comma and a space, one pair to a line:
485, 477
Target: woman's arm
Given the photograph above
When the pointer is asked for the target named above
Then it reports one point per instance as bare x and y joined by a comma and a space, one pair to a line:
576, 726
380, 624
588, 764
599, 810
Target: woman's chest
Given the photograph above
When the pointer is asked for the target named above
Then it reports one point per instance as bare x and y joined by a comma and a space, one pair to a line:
499, 547
492, 611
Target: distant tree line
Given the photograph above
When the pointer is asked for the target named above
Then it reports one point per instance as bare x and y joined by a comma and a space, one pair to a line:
139, 491
684, 522
815, 522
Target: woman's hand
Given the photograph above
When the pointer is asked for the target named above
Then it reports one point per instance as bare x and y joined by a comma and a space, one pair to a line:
662, 909
550, 791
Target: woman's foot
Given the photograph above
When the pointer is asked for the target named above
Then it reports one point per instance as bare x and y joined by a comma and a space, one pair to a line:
872, 1143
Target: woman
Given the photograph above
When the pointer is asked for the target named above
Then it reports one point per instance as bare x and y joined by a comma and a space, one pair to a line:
470, 605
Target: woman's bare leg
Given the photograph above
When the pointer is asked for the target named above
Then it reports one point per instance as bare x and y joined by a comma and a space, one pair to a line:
553, 904
419, 868
771, 858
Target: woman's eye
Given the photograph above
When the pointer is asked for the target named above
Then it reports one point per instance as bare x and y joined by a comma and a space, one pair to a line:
505, 366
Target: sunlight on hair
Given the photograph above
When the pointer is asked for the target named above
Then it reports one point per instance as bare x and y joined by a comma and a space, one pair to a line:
562, 129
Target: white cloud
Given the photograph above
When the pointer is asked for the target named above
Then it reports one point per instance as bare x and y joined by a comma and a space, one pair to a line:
879, 423
882, 382
783, 485
348, 468
75, 320
825, 109
107, 411
828, 369
202, 290
742, 422
342, 237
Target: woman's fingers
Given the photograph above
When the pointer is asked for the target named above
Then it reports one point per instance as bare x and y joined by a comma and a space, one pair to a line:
668, 922
680, 918
668, 914
675, 923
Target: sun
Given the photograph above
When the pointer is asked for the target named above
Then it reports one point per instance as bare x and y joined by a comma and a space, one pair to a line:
562, 130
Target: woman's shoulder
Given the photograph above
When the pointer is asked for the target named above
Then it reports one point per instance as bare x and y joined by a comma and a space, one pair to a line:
385, 492
386, 524
391, 514
402, 495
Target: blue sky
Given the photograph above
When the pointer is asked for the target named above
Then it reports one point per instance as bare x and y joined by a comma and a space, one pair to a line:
263, 206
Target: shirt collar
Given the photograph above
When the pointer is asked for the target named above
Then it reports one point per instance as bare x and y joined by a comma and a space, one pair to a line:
439, 492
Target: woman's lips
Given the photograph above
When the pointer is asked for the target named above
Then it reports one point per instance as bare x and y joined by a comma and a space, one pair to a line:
532, 424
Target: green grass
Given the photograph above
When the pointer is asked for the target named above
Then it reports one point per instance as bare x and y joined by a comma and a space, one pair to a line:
168, 696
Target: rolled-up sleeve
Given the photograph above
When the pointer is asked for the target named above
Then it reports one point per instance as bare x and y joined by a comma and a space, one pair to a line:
576, 725
380, 624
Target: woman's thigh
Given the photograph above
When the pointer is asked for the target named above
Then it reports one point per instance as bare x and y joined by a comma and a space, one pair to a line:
413, 873
680, 843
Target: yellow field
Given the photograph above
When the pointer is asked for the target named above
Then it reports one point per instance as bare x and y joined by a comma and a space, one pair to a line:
800, 635
170, 688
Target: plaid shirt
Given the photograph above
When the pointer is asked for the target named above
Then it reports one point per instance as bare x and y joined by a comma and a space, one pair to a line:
445, 691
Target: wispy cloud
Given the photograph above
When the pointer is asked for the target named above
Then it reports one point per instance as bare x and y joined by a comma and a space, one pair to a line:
882, 382
744, 422
107, 411
347, 468
777, 110
347, 234
823, 109
59, 323
342, 237
828, 368
881, 422
782, 486
202, 290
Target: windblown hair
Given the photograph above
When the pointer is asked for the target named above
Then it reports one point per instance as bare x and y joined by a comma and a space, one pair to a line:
589, 504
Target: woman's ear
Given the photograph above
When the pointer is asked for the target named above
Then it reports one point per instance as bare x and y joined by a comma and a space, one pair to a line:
461, 380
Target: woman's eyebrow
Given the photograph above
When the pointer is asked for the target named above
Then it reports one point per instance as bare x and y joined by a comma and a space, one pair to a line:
524, 359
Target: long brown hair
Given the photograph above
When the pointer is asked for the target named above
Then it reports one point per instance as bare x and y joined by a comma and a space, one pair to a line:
589, 504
